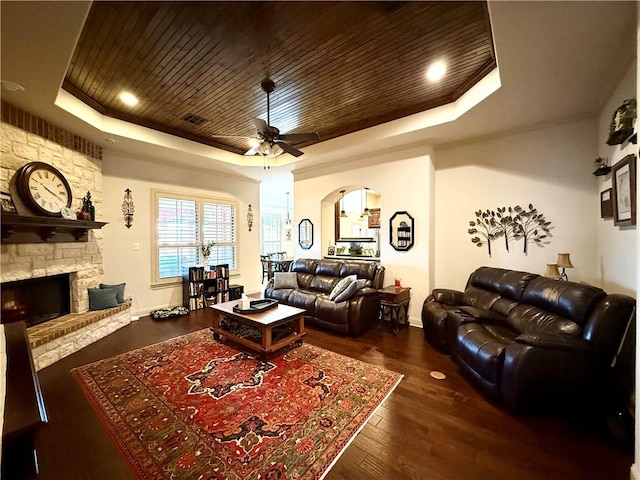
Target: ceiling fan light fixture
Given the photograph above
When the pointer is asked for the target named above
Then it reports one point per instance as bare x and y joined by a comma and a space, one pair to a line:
267, 150
254, 142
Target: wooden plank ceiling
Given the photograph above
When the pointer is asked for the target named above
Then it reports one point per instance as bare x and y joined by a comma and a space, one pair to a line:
338, 67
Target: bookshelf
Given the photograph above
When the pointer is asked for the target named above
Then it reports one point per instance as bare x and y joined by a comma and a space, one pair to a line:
204, 286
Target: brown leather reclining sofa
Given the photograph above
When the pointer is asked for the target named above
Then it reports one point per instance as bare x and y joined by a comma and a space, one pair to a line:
316, 279
535, 343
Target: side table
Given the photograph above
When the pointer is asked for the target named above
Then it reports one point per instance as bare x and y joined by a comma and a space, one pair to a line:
394, 303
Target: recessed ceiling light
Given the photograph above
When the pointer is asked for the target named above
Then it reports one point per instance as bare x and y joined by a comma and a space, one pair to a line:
436, 71
128, 99
12, 86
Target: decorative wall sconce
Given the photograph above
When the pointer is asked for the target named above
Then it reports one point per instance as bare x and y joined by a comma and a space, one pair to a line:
128, 208
250, 217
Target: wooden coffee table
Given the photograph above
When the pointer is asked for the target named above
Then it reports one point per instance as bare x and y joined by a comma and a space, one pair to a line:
278, 326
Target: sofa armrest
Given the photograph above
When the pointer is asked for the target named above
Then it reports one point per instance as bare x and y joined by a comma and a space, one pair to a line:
446, 296
555, 341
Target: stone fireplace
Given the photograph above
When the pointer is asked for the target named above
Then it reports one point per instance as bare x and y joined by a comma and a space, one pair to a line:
36, 300
25, 138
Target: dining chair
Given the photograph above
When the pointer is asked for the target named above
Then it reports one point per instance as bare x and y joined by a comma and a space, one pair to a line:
266, 267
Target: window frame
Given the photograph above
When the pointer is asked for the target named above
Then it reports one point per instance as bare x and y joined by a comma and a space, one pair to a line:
200, 200
276, 219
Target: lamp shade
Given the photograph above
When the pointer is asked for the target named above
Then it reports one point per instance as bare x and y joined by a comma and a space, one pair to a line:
552, 271
564, 261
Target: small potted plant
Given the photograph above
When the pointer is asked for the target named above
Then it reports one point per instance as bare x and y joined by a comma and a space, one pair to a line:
205, 249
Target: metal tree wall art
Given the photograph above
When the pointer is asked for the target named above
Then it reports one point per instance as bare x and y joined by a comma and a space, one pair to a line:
485, 226
532, 226
510, 223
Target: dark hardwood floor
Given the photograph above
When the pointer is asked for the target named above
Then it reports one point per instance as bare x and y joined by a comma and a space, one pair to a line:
426, 429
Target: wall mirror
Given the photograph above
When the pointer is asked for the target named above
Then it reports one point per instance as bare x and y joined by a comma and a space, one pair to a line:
401, 231
357, 216
305, 233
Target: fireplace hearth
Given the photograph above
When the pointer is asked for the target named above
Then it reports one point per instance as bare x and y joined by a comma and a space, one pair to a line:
36, 300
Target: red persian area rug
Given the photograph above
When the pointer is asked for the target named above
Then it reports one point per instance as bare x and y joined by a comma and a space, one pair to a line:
194, 408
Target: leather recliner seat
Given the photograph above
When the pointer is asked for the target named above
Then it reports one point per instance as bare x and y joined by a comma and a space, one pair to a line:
316, 279
532, 342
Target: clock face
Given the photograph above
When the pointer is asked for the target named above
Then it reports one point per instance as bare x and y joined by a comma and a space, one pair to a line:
44, 188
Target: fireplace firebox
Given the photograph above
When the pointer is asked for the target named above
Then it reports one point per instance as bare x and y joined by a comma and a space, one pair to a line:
36, 300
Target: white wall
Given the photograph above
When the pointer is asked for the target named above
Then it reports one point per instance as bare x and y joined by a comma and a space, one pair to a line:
404, 184
617, 255
123, 264
549, 167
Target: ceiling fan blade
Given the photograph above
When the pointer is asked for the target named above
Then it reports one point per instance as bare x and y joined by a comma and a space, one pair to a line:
261, 126
251, 151
299, 137
231, 136
289, 149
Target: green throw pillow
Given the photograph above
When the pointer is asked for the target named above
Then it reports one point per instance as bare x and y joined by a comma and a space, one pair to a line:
101, 298
120, 287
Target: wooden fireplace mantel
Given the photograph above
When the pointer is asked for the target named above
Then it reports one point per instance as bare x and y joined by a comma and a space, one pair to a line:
35, 229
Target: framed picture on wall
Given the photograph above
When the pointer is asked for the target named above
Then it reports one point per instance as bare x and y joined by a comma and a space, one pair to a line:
624, 191
606, 203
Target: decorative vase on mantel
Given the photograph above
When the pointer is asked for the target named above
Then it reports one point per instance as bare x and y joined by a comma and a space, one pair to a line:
205, 261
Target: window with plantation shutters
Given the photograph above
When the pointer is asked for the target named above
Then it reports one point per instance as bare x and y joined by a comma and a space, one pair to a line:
270, 234
184, 223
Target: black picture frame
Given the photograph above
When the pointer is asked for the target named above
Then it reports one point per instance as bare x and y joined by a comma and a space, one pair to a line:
623, 177
606, 203
6, 203
401, 231
305, 234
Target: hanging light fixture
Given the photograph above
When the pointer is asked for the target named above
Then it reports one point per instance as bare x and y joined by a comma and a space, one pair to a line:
365, 212
287, 221
343, 214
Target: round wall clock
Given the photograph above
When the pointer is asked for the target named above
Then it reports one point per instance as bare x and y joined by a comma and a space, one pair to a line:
44, 188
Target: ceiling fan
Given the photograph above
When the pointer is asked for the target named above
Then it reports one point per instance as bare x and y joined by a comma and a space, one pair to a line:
269, 141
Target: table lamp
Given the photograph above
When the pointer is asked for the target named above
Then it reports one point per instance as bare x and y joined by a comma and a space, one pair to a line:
564, 262
552, 271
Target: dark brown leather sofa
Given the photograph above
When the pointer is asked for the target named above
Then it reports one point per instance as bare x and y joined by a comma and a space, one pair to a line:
535, 343
316, 279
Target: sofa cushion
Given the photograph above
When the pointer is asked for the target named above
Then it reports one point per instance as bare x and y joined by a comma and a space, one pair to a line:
359, 269
351, 289
303, 299
530, 319
329, 267
322, 283
476, 297
566, 299
341, 286
304, 265
285, 280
